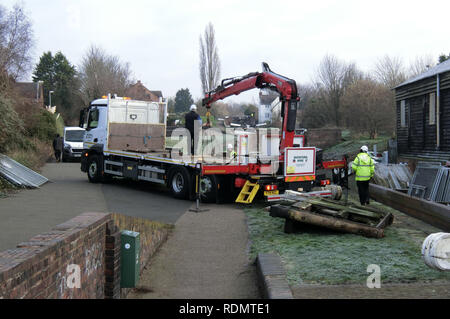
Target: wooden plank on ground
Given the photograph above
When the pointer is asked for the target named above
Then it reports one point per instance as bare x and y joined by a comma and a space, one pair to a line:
359, 211
435, 214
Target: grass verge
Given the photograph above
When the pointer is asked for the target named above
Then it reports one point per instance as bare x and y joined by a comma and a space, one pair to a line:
326, 257
352, 147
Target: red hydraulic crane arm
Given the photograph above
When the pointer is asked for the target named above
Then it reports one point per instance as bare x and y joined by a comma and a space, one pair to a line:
287, 88
234, 87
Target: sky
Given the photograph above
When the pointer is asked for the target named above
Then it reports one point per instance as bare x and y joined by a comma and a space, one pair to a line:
160, 39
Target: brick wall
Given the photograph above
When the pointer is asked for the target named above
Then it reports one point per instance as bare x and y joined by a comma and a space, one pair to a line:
112, 263
152, 235
323, 137
38, 268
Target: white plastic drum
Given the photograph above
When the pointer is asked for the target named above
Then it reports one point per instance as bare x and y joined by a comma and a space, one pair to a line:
436, 251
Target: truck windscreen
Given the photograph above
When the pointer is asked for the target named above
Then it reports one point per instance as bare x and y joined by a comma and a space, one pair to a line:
74, 136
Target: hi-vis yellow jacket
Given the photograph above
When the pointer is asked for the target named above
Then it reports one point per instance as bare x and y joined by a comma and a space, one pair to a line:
363, 166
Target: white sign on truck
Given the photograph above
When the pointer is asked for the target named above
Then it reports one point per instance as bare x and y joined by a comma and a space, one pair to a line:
300, 161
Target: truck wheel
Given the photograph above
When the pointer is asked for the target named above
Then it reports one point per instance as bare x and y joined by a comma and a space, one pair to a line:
179, 182
208, 188
93, 169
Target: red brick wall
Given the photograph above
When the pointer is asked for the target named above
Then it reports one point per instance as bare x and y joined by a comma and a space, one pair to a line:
38, 268
152, 235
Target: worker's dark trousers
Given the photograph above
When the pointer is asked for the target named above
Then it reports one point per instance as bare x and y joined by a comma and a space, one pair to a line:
194, 143
363, 190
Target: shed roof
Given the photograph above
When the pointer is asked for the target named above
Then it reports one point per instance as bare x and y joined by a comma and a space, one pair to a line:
438, 69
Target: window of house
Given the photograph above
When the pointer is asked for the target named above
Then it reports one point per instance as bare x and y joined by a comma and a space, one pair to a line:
432, 107
402, 113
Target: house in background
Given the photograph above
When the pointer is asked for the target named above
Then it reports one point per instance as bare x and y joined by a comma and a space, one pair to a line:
32, 92
269, 106
139, 92
423, 115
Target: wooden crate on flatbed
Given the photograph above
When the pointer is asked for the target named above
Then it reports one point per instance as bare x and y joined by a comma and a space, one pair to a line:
141, 138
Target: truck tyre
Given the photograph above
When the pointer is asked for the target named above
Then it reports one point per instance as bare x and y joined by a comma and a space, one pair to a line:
179, 182
93, 169
208, 189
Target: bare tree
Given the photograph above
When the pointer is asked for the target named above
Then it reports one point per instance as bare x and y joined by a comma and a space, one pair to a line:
314, 111
367, 107
420, 64
101, 73
209, 60
390, 71
333, 77
16, 42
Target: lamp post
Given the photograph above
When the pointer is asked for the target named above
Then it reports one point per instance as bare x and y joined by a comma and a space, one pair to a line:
50, 98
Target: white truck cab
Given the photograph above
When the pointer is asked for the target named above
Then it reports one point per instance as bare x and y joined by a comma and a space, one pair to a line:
96, 123
108, 120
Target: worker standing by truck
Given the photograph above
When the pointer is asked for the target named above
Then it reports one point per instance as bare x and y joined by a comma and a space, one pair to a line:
190, 119
231, 152
364, 167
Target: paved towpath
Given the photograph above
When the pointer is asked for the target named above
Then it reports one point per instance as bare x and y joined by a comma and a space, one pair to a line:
205, 257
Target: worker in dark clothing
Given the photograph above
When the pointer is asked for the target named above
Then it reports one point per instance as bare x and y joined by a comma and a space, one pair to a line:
190, 119
57, 147
364, 167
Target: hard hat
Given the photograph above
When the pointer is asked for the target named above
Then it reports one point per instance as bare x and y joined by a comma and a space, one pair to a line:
364, 148
230, 146
193, 107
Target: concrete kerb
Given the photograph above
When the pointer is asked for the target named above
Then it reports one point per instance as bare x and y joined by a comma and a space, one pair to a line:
272, 277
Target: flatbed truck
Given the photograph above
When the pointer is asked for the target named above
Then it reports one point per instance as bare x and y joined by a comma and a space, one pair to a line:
126, 138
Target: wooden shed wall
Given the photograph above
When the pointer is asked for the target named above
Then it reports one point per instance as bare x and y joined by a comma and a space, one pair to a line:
445, 120
422, 87
419, 136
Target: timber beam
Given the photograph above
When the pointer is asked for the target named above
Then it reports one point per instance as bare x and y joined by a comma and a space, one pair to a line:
435, 214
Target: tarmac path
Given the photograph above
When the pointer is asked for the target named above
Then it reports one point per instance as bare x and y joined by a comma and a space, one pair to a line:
68, 194
205, 257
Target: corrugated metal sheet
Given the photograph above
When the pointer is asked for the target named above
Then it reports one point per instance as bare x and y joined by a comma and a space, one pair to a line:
424, 175
18, 174
431, 181
394, 176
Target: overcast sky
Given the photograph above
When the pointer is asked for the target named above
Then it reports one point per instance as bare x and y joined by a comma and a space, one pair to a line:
160, 39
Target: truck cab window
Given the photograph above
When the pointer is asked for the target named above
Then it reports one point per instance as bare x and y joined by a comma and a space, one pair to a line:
93, 118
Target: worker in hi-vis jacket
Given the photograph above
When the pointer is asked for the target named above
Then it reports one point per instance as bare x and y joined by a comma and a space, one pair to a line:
231, 152
364, 168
